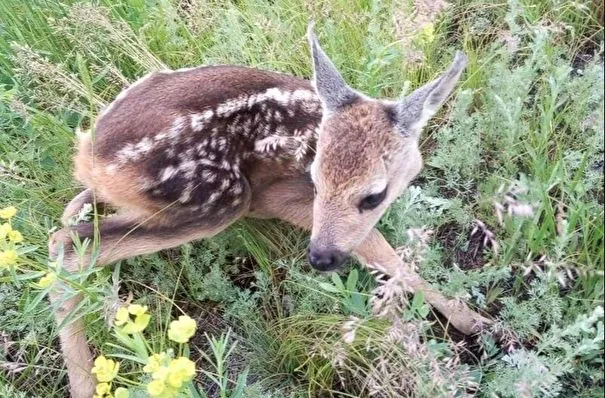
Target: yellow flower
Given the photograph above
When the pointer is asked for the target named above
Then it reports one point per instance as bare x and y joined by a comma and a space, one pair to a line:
159, 387
102, 389
156, 388
141, 318
136, 309
122, 316
161, 374
139, 324
181, 330
15, 236
121, 392
8, 212
105, 369
46, 280
5, 229
8, 257
155, 362
180, 371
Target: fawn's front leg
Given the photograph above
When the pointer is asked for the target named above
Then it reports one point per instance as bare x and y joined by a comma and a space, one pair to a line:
291, 200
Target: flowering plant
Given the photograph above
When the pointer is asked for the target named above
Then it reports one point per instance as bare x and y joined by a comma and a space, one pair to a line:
164, 374
9, 239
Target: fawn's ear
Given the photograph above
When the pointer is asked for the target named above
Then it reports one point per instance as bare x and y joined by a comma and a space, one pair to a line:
331, 87
415, 110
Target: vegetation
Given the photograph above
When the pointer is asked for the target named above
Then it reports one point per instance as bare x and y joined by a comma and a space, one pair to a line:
512, 192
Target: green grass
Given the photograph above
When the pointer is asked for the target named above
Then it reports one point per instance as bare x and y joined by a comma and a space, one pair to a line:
527, 118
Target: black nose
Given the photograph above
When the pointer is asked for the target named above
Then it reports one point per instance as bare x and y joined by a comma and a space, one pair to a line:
325, 259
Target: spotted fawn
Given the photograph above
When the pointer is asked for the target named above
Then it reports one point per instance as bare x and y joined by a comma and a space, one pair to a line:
183, 154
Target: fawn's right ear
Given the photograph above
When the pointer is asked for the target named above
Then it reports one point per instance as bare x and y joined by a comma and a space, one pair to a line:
331, 87
415, 110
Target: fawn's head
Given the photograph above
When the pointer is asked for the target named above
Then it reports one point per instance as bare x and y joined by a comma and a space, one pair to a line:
367, 153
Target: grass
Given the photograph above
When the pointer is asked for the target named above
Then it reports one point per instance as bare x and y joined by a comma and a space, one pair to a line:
512, 190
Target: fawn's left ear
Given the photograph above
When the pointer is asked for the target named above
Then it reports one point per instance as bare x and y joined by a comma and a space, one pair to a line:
415, 110
331, 87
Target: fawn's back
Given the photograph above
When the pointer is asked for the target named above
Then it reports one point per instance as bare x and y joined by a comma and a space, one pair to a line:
186, 140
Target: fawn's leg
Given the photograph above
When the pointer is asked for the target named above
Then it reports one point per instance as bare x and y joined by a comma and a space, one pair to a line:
292, 200
76, 204
120, 237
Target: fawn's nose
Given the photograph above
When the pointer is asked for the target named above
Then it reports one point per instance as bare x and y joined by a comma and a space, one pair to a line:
325, 259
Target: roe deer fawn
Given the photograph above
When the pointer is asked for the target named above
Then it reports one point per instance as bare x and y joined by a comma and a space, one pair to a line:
183, 154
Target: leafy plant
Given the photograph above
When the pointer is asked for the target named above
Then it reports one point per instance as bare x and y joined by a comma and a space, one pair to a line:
353, 301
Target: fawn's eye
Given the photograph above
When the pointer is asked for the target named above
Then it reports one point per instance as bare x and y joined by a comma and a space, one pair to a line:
372, 201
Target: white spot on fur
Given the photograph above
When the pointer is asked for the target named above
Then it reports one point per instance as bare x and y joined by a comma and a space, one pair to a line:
236, 189
229, 107
133, 152
160, 136
177, 127
188, 167
168, 173
225, 184
207, 162
186, 194
214, 196
208, 176
222, 143
283, 98
199, 120
278, 116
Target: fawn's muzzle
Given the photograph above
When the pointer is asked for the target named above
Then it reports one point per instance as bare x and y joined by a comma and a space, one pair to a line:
325, 259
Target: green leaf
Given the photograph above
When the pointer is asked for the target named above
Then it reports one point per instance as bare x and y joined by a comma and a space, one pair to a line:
418, 300
328, 287
128, 358
424, 311
26, 249
238, 392
359, 304
337, 282
352, 280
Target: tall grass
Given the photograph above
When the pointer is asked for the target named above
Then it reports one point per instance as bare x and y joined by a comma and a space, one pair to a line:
512, 188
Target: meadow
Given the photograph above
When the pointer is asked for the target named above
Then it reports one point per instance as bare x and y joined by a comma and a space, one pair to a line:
508, 208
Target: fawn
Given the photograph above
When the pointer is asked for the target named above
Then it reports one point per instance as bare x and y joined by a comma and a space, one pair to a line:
183, 154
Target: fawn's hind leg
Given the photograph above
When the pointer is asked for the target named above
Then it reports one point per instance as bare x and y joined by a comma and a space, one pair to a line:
121, 237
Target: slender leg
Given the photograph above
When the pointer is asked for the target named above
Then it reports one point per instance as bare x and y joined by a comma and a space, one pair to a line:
292, 200
375, 250
121, 237
76, 204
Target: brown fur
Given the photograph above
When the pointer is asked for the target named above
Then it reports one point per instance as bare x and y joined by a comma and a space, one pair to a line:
353, 143
122, 192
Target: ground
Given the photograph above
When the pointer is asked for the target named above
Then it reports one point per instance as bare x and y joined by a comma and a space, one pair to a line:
512, 191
